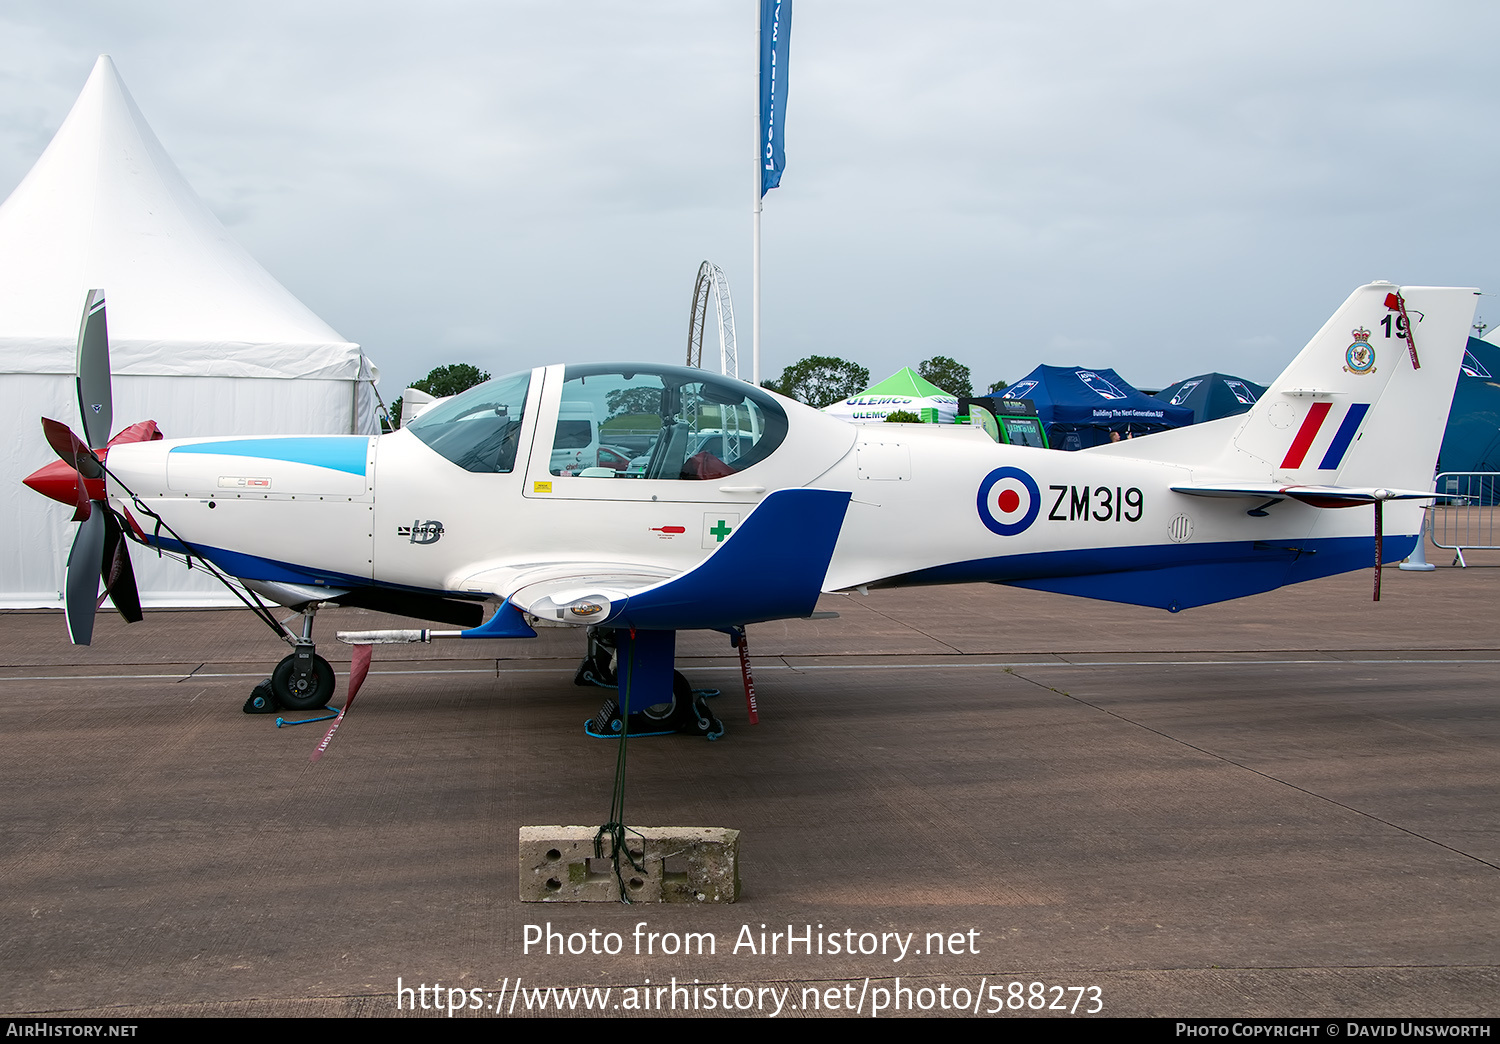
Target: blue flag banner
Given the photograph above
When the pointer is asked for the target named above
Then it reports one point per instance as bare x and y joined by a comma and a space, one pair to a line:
775, 38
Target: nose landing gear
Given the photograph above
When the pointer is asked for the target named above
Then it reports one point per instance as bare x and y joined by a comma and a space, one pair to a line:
304, 680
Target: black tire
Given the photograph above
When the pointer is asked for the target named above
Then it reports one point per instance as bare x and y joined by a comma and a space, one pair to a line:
682, 697
308, 693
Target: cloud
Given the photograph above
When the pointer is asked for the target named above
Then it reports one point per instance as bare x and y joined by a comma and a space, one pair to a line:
515, 183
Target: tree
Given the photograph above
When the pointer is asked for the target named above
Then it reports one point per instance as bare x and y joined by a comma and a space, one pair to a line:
948, 374
998, 386
443, 381
645, 401
820, 380
903, 417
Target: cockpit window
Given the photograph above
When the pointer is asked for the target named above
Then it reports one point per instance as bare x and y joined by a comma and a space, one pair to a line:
479, 429
661, 422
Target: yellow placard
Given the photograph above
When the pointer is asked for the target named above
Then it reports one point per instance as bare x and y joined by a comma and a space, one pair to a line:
541, 487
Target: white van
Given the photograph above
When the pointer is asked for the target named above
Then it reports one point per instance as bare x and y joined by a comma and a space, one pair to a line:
575, 446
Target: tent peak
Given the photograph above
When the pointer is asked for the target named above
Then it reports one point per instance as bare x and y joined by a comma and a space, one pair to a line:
906, 381
105, 206
102, 77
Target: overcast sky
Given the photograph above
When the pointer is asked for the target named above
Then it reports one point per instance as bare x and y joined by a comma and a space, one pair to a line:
1165, 188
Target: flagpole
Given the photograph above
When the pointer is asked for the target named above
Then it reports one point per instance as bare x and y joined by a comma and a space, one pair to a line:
755, 216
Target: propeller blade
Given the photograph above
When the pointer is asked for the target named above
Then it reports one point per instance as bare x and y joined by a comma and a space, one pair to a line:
95, 403
116, 571
71, 448
81, 597
140, 431
62, 440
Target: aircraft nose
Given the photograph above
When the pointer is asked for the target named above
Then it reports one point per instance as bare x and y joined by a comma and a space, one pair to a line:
59, 481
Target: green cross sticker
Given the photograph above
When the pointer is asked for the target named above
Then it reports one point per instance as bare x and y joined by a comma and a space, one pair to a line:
717, 527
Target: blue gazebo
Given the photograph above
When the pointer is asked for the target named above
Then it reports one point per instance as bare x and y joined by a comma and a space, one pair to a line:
1080, 407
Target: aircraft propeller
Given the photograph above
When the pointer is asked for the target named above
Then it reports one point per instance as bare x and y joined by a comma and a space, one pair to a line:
99, 552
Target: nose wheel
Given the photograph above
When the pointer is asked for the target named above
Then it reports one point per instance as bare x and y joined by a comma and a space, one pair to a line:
303, 686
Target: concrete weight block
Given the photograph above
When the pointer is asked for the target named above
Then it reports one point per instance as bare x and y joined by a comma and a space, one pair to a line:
681, 865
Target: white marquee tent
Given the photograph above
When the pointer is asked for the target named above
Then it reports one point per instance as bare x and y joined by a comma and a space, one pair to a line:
202, 339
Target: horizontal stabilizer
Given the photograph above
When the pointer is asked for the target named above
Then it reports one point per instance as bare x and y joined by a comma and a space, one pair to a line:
1316, 496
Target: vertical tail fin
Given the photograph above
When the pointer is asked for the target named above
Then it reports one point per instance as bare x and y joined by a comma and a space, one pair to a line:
1363, 404
1358, 406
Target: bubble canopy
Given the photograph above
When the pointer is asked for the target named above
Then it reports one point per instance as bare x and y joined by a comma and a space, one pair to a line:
616, 420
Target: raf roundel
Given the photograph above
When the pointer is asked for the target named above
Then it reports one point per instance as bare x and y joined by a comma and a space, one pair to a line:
1008, 501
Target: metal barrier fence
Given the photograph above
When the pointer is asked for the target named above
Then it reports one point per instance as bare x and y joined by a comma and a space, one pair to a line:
1467, 522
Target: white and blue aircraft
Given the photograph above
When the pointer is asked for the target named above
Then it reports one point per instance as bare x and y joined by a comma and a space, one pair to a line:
741, 506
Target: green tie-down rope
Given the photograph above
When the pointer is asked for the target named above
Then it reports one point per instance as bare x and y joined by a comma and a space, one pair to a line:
616, 829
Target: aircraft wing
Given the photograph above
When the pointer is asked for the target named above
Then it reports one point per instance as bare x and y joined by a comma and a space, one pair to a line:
1317, 496
771, 568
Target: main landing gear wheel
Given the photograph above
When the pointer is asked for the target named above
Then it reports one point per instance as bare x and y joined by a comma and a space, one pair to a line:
303, 692
687, 712
666, 715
